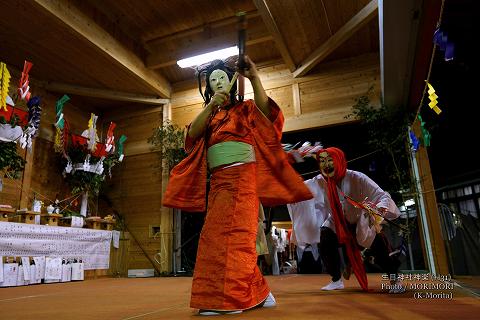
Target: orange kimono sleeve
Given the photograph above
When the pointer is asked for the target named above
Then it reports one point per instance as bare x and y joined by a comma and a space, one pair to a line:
277, 182
186, 189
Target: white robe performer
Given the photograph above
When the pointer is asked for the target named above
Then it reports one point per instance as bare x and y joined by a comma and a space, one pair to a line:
309, 216
358, 186
313, 220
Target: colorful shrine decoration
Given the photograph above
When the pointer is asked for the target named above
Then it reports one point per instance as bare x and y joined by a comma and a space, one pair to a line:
415, 143
4, 84
433, 99
16, 125
23, 85
86, 160
441, 40
426, 137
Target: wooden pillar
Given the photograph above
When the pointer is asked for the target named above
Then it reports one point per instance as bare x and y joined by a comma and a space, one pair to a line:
166, 220
25, 201
431, 224
297, 108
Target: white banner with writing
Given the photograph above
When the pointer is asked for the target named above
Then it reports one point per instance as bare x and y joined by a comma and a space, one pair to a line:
29, 240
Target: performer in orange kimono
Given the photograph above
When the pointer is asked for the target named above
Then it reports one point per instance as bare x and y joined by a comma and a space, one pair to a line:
240, 143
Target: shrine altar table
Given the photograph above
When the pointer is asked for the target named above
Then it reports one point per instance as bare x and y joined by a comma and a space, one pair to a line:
30, 240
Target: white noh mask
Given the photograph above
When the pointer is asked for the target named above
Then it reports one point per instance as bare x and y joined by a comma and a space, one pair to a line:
219, 80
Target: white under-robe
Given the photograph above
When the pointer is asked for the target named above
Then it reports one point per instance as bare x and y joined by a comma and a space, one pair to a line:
308, 216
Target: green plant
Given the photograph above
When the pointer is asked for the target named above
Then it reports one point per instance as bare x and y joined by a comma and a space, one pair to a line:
71, 213
169, 139
10, 162
387, 129
84, 181
81, 181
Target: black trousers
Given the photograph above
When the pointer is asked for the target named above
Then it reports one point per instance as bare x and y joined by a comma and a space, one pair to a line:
380, 250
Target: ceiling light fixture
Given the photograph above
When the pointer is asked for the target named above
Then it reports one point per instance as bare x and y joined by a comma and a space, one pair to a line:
207, 57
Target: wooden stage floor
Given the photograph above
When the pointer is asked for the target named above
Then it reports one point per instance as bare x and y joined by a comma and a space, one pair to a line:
298, 297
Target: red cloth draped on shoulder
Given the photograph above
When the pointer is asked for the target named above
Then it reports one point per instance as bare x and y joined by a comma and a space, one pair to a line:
343, 233
277, 182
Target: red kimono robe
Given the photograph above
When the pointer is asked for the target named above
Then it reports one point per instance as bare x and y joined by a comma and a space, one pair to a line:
226, 275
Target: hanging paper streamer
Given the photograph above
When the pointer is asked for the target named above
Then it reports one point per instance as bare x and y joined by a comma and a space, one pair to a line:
92, 132
433, 99
4, 83
120, 146
58, 143
66, 132
414, 141
60, 124
10, 101
110, 138
425, 134
59, 111
23, 85
34, 114
441, 40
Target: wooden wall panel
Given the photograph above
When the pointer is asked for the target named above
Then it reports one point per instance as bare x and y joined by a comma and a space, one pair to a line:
47, 178
324, 98
136, 188
11, 189
284, 98
314, 96
138, 128
183, 115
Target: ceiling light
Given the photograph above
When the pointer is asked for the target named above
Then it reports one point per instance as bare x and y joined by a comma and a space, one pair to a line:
207, 57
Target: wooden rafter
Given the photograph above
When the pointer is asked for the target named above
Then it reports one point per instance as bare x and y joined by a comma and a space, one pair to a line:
161, 58
342, 35
82, 25
102, 93
317, 119
275, 32
151, 38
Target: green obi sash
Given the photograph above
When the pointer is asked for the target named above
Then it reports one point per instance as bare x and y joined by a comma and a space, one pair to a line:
229, 152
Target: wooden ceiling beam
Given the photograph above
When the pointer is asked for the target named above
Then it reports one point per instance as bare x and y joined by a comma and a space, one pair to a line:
343, 34
318, 119
101, 93
197, 45
275, 32
150, 39
84, 26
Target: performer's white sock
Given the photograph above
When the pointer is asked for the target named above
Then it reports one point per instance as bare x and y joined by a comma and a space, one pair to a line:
334, 285
270, 301
217, 312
